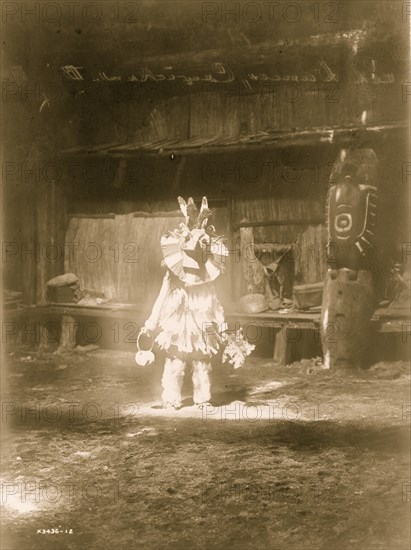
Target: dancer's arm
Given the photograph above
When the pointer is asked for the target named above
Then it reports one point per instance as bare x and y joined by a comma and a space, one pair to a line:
152, 321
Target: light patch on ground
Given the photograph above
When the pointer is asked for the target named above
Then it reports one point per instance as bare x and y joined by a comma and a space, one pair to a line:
19, 498
14, 503
239, 411
265, 388
144, 431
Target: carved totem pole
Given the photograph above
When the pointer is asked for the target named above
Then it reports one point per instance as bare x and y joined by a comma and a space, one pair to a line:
348, 297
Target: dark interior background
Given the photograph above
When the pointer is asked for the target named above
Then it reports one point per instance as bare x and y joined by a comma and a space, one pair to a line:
53, 125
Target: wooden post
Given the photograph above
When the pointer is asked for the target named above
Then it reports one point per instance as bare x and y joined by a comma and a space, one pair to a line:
252, 268
120, 173
347, 308
68, 334
50, 229
282, 349
176, 183
348, 296
29, 247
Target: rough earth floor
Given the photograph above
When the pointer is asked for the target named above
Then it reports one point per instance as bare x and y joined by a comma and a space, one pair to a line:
287, 458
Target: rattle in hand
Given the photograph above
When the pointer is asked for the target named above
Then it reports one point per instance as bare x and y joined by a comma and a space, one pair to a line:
144, 357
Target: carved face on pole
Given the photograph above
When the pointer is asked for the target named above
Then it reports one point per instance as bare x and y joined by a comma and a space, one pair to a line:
351, 209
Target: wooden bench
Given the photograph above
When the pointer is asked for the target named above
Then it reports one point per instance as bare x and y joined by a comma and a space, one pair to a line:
71, 315
281, 324
384, 320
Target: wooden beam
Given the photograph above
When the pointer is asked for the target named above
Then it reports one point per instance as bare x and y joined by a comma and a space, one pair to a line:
97, 216
172, 214
266, 223
258, 57
304, 138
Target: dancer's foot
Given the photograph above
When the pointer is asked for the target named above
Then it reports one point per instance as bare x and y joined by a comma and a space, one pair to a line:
172, 405
203, 405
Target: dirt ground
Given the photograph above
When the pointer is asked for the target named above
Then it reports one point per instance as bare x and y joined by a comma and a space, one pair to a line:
286, 458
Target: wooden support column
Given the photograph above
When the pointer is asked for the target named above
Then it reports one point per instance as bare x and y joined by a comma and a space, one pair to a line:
282, 349
51, 229
68, 334
120, 173
181, 163
252, 269
28, 252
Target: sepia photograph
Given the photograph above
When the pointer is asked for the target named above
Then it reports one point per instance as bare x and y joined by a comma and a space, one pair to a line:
206, 275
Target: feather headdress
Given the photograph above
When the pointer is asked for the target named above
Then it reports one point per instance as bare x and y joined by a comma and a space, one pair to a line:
194, 252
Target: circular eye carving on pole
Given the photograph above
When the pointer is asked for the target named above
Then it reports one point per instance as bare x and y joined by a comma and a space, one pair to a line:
343, 222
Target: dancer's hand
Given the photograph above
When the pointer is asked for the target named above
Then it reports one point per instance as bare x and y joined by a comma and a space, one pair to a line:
146, 331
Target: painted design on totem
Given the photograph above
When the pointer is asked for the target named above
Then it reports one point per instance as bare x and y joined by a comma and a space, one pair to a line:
351, 209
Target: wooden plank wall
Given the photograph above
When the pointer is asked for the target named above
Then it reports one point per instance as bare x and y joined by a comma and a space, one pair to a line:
310, 264
307, 261
41, 248
230, 113
129, 255
280, 209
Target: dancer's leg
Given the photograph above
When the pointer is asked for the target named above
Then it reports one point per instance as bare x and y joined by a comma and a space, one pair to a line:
172, 382
201, 382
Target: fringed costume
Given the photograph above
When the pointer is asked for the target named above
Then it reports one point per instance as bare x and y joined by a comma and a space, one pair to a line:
187, 318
